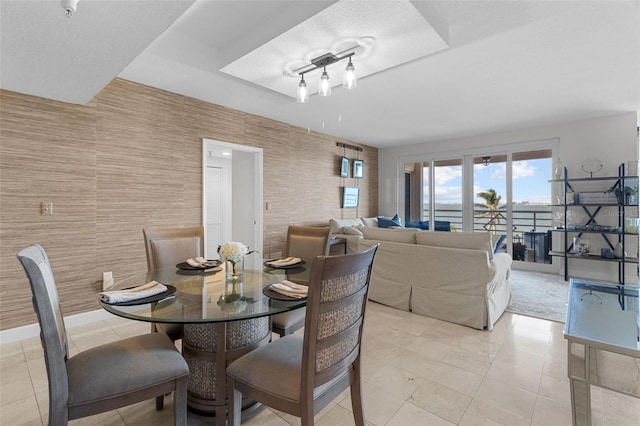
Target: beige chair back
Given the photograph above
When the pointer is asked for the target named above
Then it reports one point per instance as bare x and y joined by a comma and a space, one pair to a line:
307, 242
168, 247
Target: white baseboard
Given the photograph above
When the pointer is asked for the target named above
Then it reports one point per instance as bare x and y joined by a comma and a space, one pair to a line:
33, 330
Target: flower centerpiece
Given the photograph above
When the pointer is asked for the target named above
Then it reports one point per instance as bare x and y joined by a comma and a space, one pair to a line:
233, 253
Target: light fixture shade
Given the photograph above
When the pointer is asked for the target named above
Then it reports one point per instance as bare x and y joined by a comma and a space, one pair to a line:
324, 88
303, 92
349, 78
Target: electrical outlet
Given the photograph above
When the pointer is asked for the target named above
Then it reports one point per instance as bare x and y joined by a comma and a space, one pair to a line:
107, 280
46, 207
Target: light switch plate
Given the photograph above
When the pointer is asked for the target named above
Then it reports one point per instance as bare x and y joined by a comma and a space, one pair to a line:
46, 207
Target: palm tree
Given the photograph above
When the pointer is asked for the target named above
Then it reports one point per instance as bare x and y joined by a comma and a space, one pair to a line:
491, 203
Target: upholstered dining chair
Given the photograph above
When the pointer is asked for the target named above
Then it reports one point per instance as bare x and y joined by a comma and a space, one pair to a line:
301, 373
105, 377
305, 242
166, 248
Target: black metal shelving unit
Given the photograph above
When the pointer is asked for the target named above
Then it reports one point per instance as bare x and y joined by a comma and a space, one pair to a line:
611, 234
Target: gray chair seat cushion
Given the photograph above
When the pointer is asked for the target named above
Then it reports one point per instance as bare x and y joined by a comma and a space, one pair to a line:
290, 318
127, 365
275, 368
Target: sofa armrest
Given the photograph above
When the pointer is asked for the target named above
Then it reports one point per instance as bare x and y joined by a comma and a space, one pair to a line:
351, 241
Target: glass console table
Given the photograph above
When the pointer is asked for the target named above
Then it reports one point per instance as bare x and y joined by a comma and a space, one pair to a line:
603, 334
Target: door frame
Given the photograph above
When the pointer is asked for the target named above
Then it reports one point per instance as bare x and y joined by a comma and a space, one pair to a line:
258, 223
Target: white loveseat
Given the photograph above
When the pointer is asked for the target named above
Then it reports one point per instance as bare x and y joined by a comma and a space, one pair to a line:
451, 276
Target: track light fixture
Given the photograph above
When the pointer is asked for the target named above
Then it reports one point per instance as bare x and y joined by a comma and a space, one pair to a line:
303, 92
324, 89
349, 80
69, 6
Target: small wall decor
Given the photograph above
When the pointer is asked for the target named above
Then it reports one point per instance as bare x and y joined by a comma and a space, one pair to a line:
344, 167
358, 168
350, 197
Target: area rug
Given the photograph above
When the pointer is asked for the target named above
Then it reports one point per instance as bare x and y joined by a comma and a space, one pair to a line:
539, 295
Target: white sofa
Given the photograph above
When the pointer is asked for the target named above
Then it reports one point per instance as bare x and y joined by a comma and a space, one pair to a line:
451, 276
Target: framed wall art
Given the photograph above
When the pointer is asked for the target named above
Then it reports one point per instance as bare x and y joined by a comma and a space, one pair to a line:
358, 168
350, 197
344, 167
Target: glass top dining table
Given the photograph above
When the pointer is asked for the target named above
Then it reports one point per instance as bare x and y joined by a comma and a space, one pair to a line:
207, 297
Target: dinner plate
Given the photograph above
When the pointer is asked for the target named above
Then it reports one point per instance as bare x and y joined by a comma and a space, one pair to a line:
295, 265
278, 296
156, 297
210, 265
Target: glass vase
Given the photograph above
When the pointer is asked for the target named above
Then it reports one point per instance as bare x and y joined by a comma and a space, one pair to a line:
234, 270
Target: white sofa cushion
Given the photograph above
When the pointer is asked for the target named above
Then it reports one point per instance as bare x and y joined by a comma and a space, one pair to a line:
464, 240
399, 235
352, 230
336, 225
370, 222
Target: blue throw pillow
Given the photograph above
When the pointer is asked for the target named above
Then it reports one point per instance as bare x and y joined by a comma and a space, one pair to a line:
388, 222
443, 225
414, 224
384, 222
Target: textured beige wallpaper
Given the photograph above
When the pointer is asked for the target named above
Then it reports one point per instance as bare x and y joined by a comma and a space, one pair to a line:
132, 159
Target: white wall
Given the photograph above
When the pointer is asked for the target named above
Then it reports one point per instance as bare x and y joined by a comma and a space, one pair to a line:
612, 139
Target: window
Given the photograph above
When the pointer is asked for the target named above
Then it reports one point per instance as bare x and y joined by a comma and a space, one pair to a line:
505, 193
448, 194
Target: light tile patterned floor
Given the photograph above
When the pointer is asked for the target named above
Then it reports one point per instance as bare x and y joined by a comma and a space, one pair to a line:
417, 371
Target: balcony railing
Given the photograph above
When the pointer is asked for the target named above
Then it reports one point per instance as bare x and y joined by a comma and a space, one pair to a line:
530, 227
524, 220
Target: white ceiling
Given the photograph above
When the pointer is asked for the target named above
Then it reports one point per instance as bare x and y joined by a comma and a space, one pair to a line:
495, 65
337, 29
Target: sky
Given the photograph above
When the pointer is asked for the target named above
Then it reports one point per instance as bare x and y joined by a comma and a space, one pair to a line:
530, 182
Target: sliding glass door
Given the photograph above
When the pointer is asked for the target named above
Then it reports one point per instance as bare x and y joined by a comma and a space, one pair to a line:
531, 201
490, 197
507, 194
448, 195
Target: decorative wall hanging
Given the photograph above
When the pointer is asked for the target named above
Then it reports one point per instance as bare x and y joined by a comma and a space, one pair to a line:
350, 197
358, 169
344, 167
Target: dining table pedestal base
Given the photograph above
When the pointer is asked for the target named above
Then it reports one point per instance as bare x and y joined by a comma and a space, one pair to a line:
208, 348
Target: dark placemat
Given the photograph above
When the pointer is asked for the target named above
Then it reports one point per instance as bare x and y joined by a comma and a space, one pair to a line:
278, 296
295, 265
212, 264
